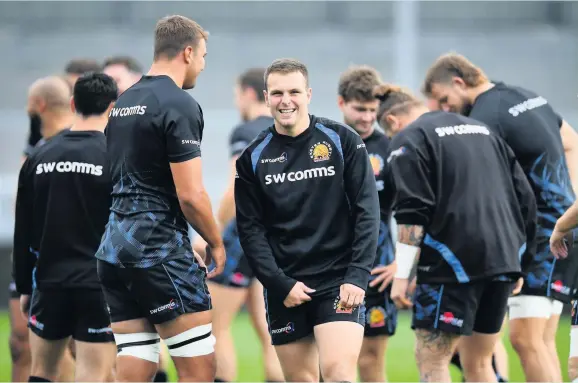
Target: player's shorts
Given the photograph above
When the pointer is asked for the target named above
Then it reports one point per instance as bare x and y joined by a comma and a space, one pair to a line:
380, 314
80, 313
287, 325
532, 306
237, 272
159, 293
462, 308
12, 291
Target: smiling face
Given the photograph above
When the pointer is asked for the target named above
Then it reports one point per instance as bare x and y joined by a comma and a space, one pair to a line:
288, 98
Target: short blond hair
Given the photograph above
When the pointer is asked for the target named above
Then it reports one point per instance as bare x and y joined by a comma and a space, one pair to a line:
453, 65
175, 33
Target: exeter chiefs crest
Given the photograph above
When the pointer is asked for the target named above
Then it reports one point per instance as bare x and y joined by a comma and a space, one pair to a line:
321, 151
376, 163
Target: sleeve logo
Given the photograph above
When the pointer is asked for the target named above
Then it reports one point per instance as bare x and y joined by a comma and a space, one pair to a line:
396, 153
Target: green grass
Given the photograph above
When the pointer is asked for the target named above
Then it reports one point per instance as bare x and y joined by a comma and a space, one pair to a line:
400, 361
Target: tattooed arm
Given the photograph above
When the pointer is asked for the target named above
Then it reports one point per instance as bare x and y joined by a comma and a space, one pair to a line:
410, 234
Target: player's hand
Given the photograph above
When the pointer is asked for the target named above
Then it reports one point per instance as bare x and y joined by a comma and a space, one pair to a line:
399, 289
199, 259
218, 256
200, 246
518, 286
298, 295
558, 245
25, 305
350, 296
385, 276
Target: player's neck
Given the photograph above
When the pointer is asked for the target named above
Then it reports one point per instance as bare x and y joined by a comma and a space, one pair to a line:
167, 68
365, 135
295, 130
86, 124
474, 92
257, 110
56, 123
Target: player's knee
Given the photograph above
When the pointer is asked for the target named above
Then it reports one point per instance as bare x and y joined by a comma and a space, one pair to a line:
197, 341
141, 345
523, 342
338, 371
19, 348
369, 358
476, 365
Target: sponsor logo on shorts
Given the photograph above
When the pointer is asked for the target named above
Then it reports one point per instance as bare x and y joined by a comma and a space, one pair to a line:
169, 306
559, 287
376, 317
34, 322
449, 318
339, 309
103, 330
239, 279
287, 329
282, 158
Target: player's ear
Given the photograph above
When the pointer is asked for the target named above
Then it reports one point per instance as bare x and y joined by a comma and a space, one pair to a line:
309, 92
188, 54
458, 81
340, 102
72, 106
266, 95
392, 122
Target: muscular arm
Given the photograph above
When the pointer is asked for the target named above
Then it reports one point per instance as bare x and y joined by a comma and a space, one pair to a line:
194, 200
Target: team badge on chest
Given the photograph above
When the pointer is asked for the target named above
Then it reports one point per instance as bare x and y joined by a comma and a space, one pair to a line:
321, 151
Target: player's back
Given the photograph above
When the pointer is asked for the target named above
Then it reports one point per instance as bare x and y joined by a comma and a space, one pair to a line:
71, 200
144, 134
464, 176
531, 127
244, 133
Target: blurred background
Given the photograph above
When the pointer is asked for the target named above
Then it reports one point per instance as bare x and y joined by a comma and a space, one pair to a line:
531, 44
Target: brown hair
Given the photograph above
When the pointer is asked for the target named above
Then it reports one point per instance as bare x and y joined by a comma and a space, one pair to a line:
286, 66
453, 65
358, 82
175, 33
128, 62
393, 100
254, 78
81, 66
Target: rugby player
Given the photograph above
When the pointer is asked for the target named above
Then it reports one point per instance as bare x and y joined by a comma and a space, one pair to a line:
500, 361
359, 108
79, 66
308, 222
48, 107
153, 282
237, 285
564, 227
61, 210
446, 213
125, 70
547, 149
